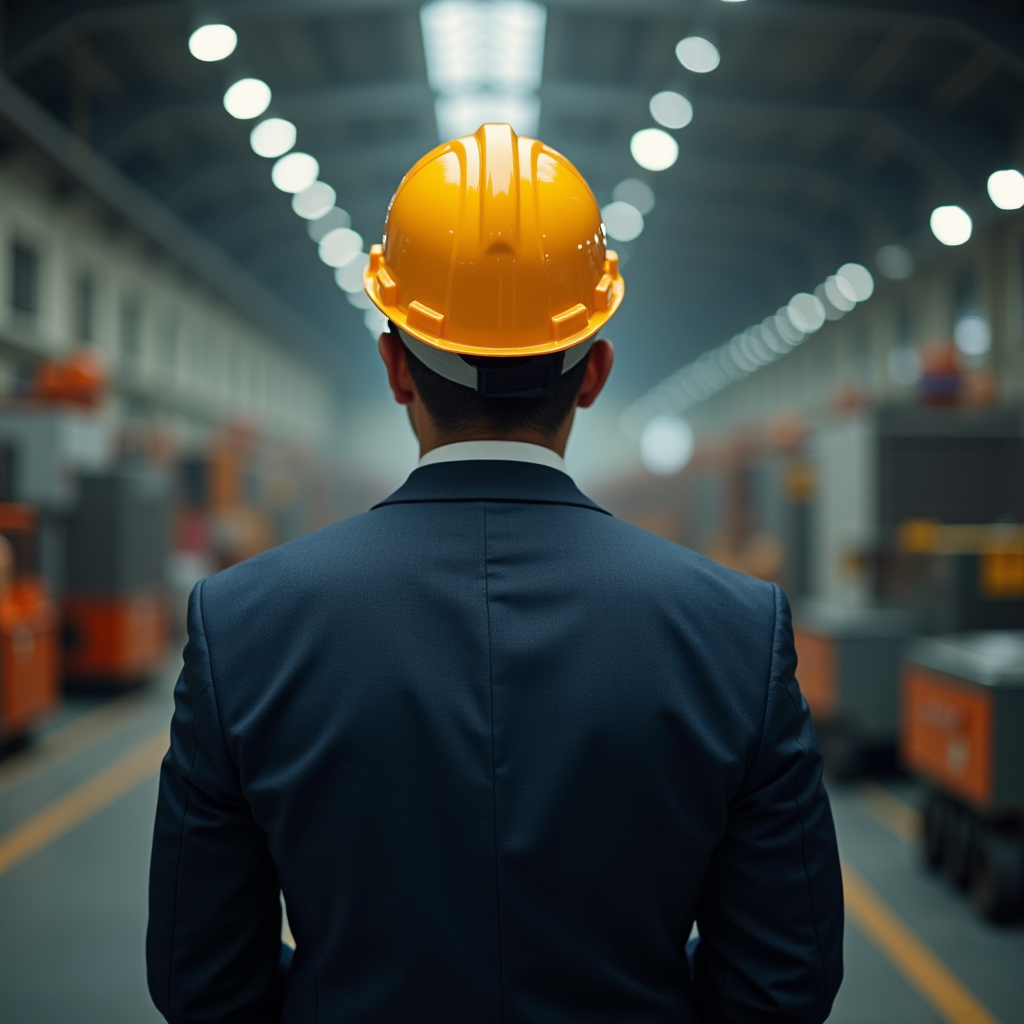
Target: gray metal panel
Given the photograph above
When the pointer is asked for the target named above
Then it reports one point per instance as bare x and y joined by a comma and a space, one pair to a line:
119, 538
993, 658
845, 503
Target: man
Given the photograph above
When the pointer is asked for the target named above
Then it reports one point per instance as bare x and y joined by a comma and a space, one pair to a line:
498, 750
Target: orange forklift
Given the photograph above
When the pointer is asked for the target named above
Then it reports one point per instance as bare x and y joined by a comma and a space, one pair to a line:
29, 628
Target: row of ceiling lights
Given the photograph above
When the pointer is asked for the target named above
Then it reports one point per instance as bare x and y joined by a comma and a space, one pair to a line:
666, 440
294, 172
742, 355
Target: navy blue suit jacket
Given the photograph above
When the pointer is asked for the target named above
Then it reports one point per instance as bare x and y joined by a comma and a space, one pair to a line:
499, 750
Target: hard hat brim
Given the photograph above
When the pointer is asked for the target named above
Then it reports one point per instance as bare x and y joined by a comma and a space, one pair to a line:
400, 318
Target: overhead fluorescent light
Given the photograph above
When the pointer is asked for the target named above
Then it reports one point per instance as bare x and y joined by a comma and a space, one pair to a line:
463, 114
485, 59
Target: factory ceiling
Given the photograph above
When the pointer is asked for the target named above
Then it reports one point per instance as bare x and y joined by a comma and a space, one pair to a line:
829, 129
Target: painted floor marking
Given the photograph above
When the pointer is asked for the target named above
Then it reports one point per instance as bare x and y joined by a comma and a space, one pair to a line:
83, 802
909, 954
67, 741
902, 819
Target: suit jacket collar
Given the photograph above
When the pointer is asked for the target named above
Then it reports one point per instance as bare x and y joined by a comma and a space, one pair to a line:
490, 481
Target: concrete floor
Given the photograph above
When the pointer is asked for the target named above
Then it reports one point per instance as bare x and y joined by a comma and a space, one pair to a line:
73, 910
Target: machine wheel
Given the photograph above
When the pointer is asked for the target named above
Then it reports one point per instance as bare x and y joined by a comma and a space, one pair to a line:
997, 881
936, 809
959, 839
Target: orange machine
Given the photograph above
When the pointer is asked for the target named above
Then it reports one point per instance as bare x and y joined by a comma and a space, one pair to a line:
962, 719
29, 628
115, 605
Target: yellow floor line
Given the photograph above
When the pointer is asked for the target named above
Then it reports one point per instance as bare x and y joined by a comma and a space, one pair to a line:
892, 813
82, 802
915, 961
78, 736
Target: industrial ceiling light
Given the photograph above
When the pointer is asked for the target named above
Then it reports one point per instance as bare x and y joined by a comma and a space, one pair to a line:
212, 42
462, 114
951, 225
313, 202
295, 172
1006, 189
273, 137
806, 312
671, 109
857, 279
247, 98
336, 218
622, 221
349, 277
786, 327
697, 54
654, 149
840, 293
359, 299
895, 262
972, 335
666, 445
485, 62
340, 246
376, 322
635, 192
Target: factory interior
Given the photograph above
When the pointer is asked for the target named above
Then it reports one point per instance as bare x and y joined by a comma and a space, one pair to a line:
818, 211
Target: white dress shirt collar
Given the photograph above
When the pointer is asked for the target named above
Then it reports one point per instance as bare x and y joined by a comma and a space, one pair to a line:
501, 451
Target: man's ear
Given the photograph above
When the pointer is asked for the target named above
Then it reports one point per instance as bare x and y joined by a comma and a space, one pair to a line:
392, 351
599, 366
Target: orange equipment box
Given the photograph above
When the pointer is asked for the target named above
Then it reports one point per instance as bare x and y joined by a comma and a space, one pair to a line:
962, 717
120, 639
29, 628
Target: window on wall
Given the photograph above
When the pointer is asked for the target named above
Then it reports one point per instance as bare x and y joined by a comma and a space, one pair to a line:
24, 278
85, 308
131, 326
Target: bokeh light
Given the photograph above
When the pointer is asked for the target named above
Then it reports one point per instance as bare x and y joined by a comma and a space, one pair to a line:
336, 218
697, 54
247, 98
895, 262
1006, 189
622, 221
349, 277
671, 109
635, 192
313, 202
972, 334
806, 312
654, 149
666, 445
951, 225
339, 246
273, 137
212, 42
858, 278
295, 172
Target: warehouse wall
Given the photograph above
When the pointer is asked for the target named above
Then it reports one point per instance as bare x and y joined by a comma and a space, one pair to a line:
176, 352
863, 349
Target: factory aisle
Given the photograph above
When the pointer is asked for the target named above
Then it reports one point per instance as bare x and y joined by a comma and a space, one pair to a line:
76, 815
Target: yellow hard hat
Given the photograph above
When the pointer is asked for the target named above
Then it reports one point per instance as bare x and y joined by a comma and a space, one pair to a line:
494, 246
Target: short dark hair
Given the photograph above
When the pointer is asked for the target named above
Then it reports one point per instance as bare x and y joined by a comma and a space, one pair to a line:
455, 407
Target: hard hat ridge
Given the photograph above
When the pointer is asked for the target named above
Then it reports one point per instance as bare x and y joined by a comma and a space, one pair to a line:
494, 247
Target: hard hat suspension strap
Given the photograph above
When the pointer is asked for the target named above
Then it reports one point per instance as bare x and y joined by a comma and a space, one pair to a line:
496, 376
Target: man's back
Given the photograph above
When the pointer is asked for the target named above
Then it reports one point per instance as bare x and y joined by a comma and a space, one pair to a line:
500, 750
